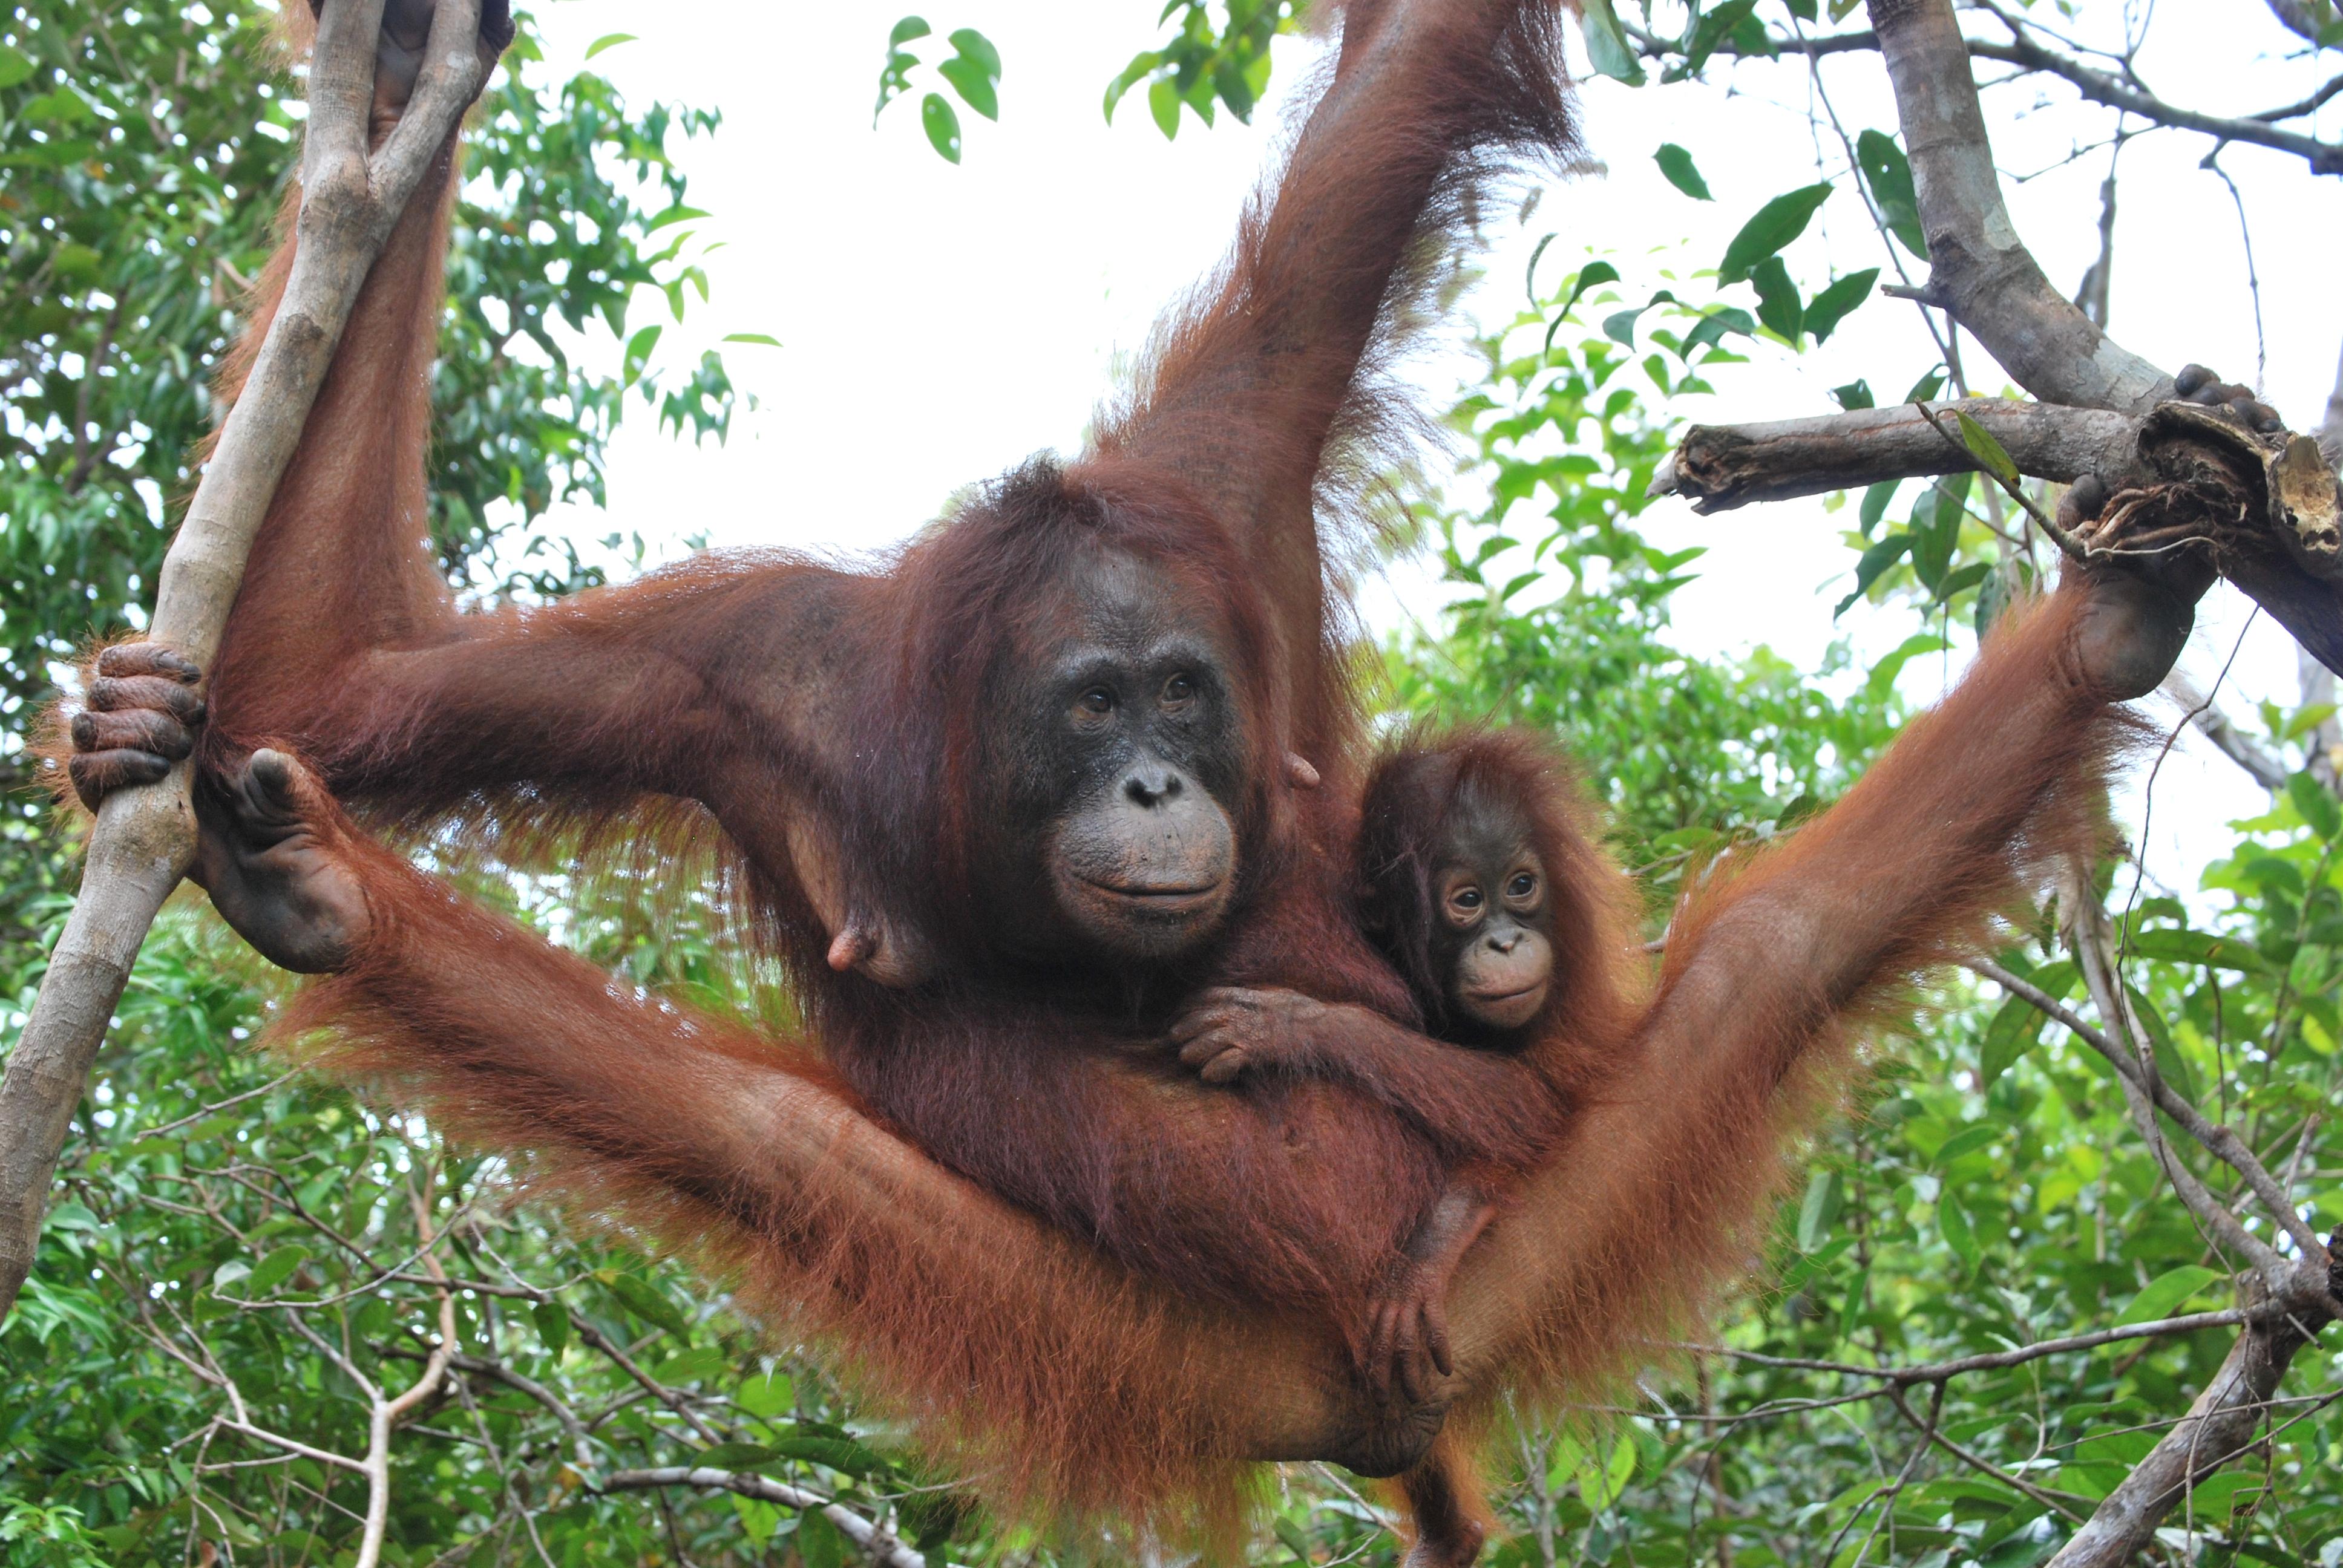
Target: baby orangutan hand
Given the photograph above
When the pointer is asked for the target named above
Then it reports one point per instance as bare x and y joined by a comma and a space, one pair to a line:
1230, 1028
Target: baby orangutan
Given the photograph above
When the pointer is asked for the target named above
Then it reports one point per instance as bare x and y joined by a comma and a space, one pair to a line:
1478, 881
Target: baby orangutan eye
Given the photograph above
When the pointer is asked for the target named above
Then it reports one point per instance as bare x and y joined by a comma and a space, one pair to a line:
1097, 702
1465, 904
1524, 884
1179, 690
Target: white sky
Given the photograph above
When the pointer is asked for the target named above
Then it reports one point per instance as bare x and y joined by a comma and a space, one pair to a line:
938, 323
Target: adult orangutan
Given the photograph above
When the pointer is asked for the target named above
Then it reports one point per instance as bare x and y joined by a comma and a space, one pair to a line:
1034, 774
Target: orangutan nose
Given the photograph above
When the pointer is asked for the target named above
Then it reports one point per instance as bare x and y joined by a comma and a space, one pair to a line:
1504, 942
1153, 785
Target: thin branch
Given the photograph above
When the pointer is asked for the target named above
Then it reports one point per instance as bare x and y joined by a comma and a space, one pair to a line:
2220, 1140
877, 1542
2214, 726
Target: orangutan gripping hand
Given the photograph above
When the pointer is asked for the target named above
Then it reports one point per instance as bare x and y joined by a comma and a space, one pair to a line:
271, 848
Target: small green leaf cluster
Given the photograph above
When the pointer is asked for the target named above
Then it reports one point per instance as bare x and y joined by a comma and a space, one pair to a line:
973, 72
1214, 55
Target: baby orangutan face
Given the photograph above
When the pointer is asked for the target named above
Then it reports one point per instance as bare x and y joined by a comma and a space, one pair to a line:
1493, 937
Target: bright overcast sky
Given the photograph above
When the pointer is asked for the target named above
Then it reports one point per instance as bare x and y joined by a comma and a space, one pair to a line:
938, 323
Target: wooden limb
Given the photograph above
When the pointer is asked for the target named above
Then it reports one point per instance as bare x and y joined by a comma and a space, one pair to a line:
2213, 725
2218, 1427
1720, 466
143, 838
877, 1544
1977, 262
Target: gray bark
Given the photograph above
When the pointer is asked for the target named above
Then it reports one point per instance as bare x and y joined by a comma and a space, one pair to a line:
1977, 262
143, 838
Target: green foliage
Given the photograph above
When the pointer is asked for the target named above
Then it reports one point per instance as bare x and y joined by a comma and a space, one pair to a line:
1214, 55
972, 71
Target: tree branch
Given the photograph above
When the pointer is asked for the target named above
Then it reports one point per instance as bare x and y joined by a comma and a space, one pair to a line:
877, 1542
2261, 129
2218, 1428
1720, 466
1977, 260
143, 838
2213, 725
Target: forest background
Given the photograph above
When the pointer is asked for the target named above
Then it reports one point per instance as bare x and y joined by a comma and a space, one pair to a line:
230, 1246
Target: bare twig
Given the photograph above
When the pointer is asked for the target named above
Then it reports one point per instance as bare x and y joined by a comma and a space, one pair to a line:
143, 838
877, 1542
2214, 726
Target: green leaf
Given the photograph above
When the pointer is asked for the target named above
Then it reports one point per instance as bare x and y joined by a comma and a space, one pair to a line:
2317, 805
552, 1322
1778, 299
942, 125
767, 338
909, 28
839, 1453
1677, 165
1988, 452
1163, 102
608, 41
1592, 274
734, 1456
14, 66
1607, 48
1855, 394
1825, 1194
1851, 1311
1960, 1235
275, 1269
1713, 327
229, 1272
1881, 678
1713, 28
2015, 1029
1888, 174
643, 1299
2170, 1065
2178, 945
1291, 1534
1926, 387
638, 354
820, 1543
2161, 1296
1832, 306
974, 72
1875, 562
1776, 225
978, 50
1967, 1140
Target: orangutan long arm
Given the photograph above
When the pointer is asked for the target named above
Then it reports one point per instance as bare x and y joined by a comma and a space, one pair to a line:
1479, 1106
1265, 388
1650, 1204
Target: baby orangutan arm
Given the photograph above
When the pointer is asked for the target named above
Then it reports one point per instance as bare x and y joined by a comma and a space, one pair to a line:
1477, 1105
1407, 1343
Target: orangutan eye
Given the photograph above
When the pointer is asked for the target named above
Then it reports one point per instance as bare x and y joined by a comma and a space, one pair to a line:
1467, 898
1523, 885
1180, 689
1098, 699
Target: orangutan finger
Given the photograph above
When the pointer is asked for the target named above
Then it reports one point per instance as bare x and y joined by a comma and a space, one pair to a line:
1435, 1336
124, 658
139, 729
97, 774
112, 694
1225, 1066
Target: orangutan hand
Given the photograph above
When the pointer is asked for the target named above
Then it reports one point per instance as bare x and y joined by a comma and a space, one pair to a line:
1233, 1029
273, 850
